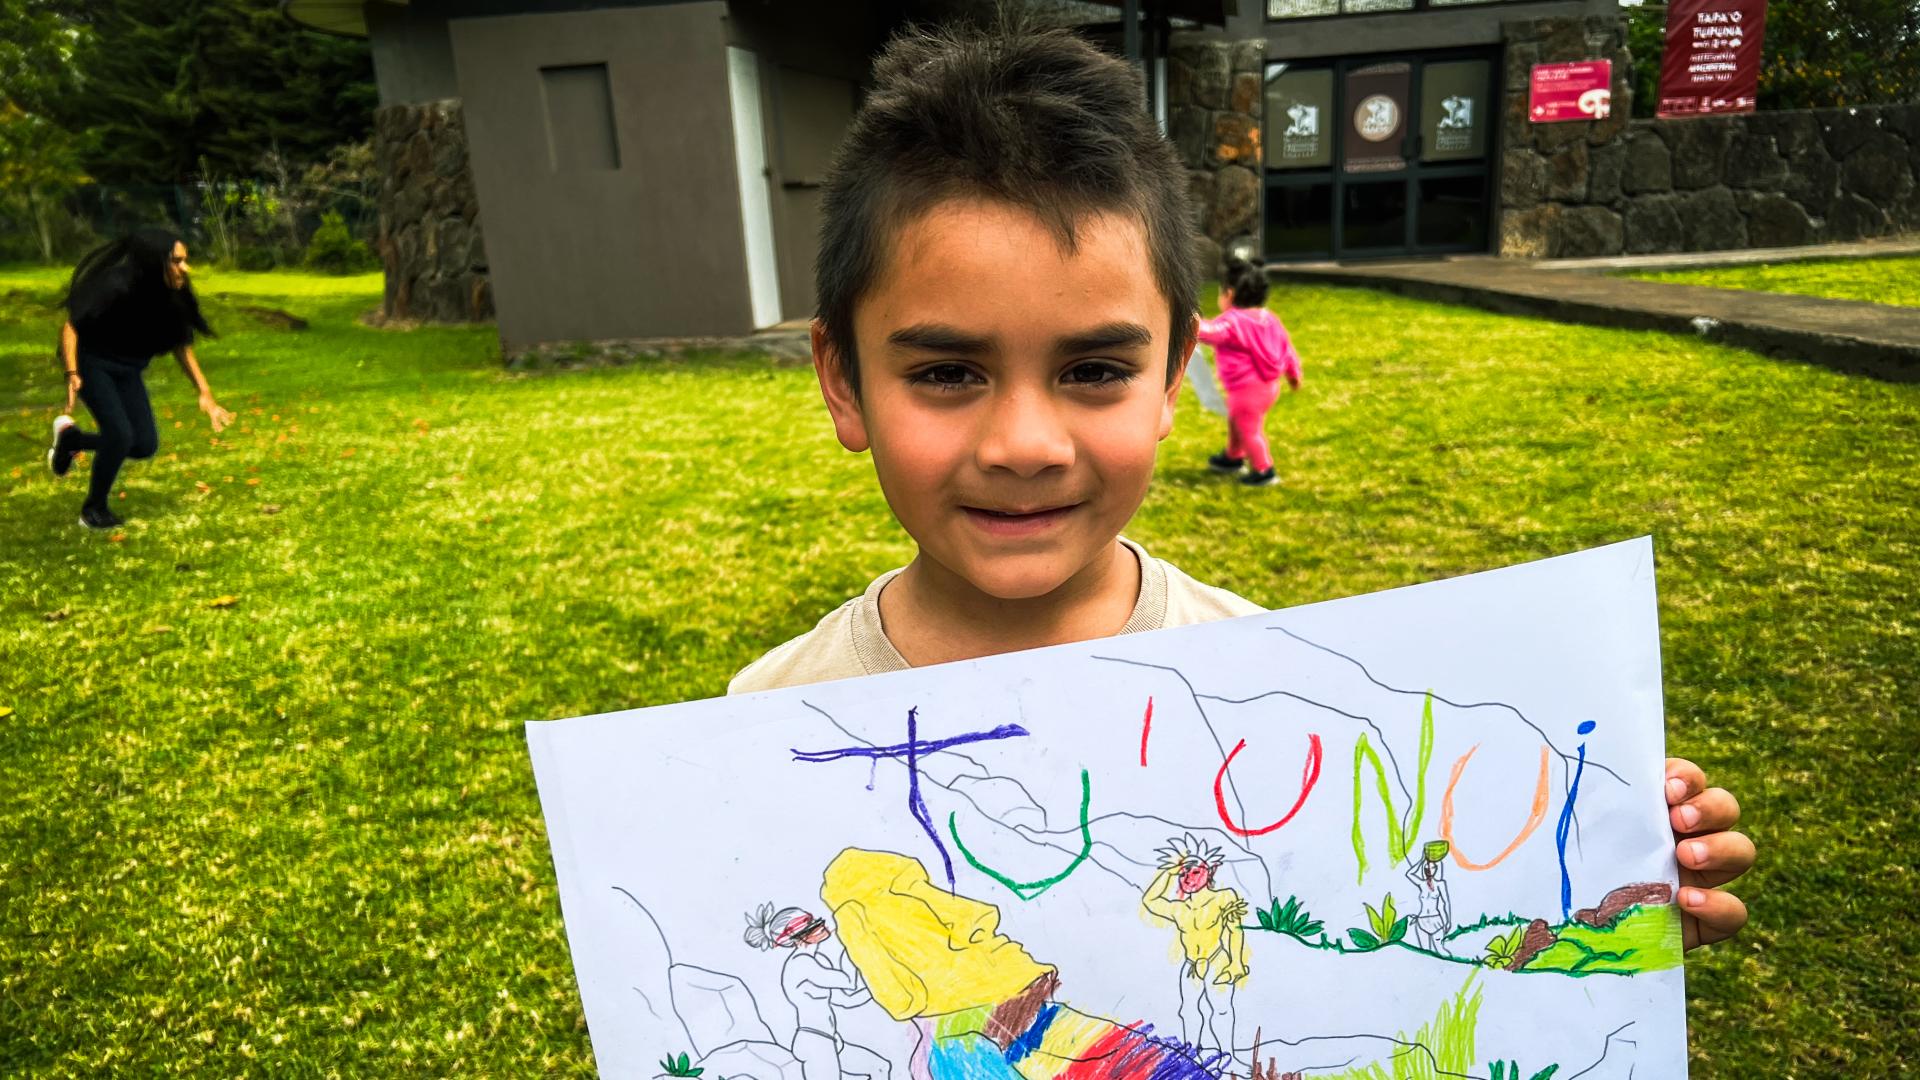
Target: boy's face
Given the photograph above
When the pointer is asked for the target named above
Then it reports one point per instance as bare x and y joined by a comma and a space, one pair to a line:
1012, 392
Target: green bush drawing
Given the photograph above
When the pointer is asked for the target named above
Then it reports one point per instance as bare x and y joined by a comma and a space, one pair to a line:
1501, 950
682, 1066
1291, 919
1510, 1070
1386, 928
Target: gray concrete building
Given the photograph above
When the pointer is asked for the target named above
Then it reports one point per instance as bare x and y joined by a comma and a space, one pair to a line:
641, 169
607, 169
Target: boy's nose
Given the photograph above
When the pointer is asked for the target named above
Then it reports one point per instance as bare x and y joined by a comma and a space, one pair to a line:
1025, 434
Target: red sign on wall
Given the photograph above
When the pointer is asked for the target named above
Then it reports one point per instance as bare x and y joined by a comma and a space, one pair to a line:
1712, 58
1582, 91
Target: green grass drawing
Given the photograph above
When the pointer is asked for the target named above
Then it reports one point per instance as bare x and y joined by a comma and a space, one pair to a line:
1444, 1046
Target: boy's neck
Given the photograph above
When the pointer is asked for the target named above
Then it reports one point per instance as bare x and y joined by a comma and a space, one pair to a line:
933, 616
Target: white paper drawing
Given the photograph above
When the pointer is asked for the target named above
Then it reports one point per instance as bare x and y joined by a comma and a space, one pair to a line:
1206, 385
1413, 834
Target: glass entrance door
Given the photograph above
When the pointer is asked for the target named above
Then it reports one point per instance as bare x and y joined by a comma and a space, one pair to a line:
1380, 156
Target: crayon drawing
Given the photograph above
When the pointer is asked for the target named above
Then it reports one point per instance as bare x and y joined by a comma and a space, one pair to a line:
1413, 834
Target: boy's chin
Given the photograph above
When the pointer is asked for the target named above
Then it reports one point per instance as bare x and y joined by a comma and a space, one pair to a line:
1019, 577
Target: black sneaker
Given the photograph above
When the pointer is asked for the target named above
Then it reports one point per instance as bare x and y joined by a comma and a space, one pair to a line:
98, 517
1222, 463
60, 461
1265, 478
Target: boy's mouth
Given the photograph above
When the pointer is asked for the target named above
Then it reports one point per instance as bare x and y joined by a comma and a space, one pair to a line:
1022, 521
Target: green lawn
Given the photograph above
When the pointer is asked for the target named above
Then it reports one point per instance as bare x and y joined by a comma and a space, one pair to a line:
298, 836
1881, 281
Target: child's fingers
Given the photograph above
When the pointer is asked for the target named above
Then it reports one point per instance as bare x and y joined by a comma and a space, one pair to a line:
1722, 855
1713, 810
1714, 916
1684, 780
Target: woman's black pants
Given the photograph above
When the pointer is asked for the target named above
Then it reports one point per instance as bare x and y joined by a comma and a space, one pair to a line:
116, 395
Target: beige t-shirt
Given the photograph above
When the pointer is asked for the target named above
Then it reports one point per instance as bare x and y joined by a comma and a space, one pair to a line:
850, 642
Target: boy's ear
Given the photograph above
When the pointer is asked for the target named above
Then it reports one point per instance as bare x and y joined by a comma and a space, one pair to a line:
1187, 335
843, 404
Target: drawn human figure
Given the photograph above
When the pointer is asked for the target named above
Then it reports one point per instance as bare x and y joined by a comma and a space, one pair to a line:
1213, 947
1433, 919
815, 985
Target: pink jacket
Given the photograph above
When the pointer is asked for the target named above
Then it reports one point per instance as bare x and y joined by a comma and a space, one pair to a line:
1250, 345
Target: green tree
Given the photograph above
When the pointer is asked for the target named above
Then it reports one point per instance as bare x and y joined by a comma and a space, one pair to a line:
162, 84
39, 158
1840, 52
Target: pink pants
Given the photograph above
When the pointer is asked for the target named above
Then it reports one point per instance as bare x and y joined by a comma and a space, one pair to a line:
1247, 406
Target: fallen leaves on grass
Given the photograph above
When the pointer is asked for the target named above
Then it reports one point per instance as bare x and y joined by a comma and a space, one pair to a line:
270, 508
5, 712
203, 486
56, 616
116, 538
223, 601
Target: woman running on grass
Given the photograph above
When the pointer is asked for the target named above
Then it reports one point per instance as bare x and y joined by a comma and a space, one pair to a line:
128, 300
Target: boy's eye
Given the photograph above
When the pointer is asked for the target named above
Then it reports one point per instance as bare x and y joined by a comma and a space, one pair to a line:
1098, 373
945, 376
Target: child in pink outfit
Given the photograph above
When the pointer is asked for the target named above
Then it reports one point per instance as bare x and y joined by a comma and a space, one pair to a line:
1252, 353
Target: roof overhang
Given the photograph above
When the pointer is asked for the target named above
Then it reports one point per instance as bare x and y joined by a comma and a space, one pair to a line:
342, 18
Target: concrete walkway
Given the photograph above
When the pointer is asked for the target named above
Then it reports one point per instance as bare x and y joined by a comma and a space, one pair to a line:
1874, 339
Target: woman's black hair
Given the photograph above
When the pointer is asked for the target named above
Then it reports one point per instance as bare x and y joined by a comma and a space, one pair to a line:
133, 269
1248, 280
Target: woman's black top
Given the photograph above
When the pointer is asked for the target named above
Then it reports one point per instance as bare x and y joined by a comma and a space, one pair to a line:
127, 321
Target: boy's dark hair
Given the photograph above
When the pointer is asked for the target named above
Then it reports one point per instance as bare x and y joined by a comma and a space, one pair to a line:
1248, 280
1039, 120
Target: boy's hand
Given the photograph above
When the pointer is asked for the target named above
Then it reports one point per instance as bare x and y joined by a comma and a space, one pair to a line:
1709, 854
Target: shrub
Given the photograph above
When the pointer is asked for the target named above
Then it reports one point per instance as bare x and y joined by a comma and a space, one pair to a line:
333, 250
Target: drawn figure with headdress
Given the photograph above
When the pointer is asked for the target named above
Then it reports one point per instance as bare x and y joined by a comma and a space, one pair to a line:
1213, 947
815, 985
1433, 919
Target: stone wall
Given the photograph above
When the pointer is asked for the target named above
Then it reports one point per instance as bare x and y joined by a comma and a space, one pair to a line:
430, 240
1768, 179
1214, 102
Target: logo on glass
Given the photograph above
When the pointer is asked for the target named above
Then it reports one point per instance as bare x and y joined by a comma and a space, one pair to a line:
1377, 118
1303, 121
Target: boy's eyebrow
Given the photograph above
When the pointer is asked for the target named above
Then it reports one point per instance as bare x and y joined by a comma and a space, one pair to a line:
1113, 335
930, 337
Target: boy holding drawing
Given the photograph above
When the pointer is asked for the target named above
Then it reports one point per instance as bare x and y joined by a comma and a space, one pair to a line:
1006, 302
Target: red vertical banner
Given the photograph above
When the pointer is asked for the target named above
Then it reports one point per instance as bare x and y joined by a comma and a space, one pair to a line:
1712, 58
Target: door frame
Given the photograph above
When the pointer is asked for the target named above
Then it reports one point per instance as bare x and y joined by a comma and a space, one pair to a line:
1416, 170
759, 257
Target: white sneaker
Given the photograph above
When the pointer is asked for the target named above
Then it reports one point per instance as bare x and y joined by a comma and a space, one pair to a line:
60, 461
